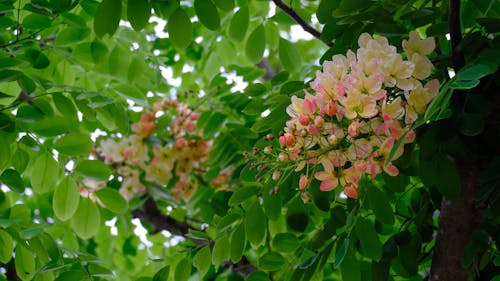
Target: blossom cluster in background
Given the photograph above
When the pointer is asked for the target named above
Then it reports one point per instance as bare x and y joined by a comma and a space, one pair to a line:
175, 162
362, 104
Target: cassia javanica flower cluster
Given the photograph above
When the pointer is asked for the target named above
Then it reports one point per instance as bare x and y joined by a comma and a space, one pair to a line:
176, 162
362, 104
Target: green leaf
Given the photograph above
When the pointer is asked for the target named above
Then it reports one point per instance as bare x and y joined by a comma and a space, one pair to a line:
36, 21
66, 199
448, 182
30, 233
87, 219
73, 275
241, 194
239, 24
292, 88
370, 243
202, 260
471, 124
25, 263
226, 5
64, 105
475, 71
44, 174
8, 75
238, 242
50, 246
6, 247
378, 202
409, 254
37, 59
256, 44
74, 144
138, 13
162, 274
258, 275
182, 270
272, 205
5, 154
256, 89
221, 251
350, 268
207, 13
341, 252
272, 35
255, 224
380, 270
180, 29
52, 126
107, 17
99, 51
289, 55
325, 10
214, 123
19, 160
93, 169
136, 69
112, 200
271, 261
70, 36
12, 180
285, 242
349, 7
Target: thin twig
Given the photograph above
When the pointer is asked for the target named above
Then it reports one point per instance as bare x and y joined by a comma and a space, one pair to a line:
457, 56
20, 40
308, 28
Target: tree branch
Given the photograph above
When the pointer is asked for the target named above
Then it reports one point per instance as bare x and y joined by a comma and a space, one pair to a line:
459, 218
152, 215
454, 26
300, 21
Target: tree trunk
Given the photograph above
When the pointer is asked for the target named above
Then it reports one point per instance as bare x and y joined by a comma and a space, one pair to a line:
457, 221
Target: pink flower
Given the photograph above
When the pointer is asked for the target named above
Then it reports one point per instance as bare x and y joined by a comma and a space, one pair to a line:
351, 191
304, 182
287, 139
353, 129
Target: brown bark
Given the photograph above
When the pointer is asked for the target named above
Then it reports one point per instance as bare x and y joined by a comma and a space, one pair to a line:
458, 219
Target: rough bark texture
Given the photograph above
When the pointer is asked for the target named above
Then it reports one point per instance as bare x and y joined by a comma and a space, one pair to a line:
458, 218
457, 221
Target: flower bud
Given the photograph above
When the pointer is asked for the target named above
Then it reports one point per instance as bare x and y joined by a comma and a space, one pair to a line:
304, 182
282, 157
354, 129
303, 120
276, 175
333, 140
319, 121
306, 197
287, 140
268, 149
269, 137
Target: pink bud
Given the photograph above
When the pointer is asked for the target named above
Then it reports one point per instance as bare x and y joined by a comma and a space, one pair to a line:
351, 191
287, 140
303, 120
319, 121
194, 115
276, 175
309, 106
353, 129
180, 142
313, 130
330, 109
303, 182
282, 157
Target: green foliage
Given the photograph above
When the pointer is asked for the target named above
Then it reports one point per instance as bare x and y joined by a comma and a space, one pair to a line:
73, 75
